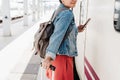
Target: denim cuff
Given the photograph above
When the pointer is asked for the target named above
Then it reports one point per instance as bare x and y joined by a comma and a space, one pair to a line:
52, 55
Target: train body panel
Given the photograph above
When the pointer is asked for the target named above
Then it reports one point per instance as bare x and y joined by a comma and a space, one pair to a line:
100, 43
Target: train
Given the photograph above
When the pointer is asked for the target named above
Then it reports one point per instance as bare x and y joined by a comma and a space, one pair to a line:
99, 44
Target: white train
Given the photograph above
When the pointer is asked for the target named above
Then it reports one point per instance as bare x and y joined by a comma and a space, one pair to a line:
99, 44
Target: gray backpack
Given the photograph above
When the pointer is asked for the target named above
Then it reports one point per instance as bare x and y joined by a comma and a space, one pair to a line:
42, 36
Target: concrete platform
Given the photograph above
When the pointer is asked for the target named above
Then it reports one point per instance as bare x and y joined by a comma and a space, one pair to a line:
16, 53
17, 28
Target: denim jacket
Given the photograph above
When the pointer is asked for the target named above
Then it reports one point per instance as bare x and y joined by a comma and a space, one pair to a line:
58, 46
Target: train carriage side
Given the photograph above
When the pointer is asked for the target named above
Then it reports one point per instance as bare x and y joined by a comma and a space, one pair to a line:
99, 44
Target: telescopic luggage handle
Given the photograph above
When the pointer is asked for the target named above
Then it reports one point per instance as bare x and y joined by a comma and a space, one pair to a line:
52, 67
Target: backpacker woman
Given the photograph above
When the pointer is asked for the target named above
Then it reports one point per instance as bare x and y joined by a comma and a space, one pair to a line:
60, 52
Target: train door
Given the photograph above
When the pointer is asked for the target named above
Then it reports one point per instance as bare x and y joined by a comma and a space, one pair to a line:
81, 12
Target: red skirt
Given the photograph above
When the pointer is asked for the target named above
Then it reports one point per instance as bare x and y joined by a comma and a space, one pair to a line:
64, 68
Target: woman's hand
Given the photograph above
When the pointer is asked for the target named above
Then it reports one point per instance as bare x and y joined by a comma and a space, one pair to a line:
81, 28
47, 62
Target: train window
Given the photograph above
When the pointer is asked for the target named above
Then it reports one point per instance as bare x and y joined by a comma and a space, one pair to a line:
83, 11
117, 15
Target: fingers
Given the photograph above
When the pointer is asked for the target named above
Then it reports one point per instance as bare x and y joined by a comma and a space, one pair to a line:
46, 64
81, 28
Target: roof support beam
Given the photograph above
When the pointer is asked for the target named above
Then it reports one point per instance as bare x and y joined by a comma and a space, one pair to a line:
6, 17
25, 12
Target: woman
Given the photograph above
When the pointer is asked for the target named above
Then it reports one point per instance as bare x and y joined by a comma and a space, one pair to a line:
60, 53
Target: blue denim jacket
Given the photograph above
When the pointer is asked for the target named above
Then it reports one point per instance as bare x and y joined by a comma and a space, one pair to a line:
56, 45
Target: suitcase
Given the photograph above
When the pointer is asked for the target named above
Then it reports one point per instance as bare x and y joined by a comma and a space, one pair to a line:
41, 73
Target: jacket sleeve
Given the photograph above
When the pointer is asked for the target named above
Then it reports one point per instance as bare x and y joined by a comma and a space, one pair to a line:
61, 26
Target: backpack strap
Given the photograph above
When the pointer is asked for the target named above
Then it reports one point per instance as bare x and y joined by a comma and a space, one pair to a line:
56, 12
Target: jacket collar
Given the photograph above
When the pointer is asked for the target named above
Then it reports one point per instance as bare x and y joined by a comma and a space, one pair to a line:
63, 6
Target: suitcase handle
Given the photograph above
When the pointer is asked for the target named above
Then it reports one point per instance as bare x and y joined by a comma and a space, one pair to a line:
51, 67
